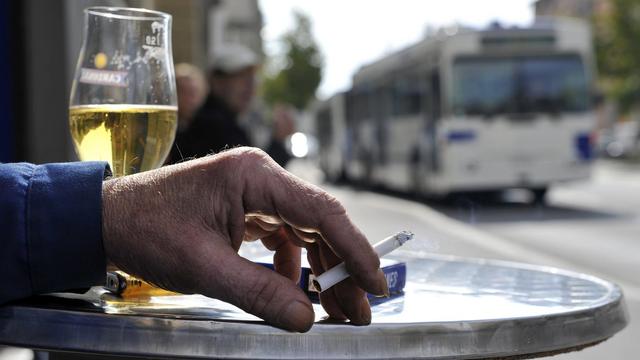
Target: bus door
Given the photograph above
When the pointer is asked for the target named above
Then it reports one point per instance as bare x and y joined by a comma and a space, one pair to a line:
403, 128
424, 157
434, 112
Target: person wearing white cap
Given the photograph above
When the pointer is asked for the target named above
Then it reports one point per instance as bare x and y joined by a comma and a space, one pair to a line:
232, 84
232, 76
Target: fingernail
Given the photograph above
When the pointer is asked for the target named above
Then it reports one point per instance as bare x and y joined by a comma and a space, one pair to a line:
382, 284
362, 316
366, 317
364, 320
298, 316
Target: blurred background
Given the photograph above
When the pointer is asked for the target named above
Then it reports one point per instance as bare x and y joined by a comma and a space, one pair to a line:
498, 129
42, 43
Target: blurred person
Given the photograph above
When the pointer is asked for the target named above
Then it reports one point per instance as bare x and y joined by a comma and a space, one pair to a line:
283, 126
180, 227
191, 87
232, 87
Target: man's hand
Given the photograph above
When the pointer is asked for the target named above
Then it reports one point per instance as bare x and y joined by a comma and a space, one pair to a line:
180, 227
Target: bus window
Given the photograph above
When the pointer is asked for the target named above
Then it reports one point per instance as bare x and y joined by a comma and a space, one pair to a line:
382, 102
406, 96
553, 84
483, 86
435, 98
522, 85
361, 104
324, 126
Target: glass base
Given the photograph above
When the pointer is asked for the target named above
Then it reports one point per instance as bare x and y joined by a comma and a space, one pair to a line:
128, 286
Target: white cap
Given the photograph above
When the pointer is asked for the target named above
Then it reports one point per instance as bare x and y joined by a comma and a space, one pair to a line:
231, 58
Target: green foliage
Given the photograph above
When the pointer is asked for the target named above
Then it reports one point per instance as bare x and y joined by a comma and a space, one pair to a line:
298, 79
617, 45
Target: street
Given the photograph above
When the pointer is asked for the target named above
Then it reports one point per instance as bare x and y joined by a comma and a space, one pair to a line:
589, 227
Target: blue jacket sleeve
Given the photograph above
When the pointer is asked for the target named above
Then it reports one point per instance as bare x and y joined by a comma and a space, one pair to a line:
50, 228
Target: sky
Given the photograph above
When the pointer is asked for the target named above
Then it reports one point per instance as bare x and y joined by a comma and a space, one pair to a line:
351, 33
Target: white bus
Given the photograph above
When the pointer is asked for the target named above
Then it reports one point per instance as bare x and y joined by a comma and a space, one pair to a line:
471, 111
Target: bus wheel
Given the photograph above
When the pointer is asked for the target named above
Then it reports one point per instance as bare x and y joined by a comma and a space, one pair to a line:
539, 195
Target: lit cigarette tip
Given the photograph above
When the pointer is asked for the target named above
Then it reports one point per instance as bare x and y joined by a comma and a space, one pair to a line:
404, 236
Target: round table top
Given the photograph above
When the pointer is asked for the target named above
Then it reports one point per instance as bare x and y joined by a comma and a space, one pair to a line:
451, 307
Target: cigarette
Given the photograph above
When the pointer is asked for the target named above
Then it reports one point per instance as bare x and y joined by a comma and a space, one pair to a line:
339, 272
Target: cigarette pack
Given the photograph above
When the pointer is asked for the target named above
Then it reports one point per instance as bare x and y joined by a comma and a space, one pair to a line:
394, 271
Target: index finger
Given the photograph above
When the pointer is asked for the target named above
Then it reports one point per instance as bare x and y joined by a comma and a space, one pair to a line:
350, 245
270, 188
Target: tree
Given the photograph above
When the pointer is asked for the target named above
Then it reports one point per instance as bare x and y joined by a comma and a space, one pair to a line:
297, 80
617, 46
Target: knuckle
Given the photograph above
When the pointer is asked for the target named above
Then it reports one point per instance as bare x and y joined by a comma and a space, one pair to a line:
366, 267
248, 160
261, 295
325, 205
250, 155
334, 207
240, 156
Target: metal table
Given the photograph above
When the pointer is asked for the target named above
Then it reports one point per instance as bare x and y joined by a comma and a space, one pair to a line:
452, 308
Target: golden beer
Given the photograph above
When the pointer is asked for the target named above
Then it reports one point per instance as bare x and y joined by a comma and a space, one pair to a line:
132, 138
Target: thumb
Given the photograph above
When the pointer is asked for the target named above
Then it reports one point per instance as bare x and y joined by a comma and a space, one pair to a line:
263, 293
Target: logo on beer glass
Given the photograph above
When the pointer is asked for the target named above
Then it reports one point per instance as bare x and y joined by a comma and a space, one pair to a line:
103, 77
155, 39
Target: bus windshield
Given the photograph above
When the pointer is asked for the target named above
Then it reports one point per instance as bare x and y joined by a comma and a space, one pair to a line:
541, 84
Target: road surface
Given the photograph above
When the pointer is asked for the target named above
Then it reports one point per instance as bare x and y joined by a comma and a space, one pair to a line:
591, 227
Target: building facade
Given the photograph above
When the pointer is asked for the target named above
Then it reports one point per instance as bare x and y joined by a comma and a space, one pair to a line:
583, 9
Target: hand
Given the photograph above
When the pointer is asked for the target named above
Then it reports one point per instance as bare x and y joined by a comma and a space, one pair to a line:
283, 121
180, 227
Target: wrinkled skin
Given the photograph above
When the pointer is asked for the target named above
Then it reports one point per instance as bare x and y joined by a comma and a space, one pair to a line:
180, 227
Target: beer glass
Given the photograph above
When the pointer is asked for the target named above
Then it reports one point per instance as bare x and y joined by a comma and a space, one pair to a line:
123, 106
